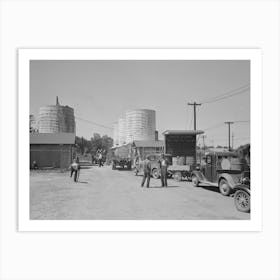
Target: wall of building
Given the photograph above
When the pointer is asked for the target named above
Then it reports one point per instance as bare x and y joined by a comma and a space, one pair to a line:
45, 155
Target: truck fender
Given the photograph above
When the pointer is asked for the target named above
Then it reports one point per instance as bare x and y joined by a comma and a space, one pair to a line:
199, 175
242, 187
228, 178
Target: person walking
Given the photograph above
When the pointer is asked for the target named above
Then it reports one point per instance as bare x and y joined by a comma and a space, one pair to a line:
100, 157
147, 172
75, 168
163, 165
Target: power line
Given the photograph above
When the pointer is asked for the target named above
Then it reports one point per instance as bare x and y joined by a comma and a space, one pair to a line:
94, 123
221, 124
226, 95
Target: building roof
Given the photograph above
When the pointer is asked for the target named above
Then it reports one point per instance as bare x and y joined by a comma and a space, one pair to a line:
149, 143
52, 138
182, 132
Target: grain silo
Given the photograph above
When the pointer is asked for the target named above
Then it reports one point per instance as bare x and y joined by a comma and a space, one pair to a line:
56, 118
140, 125
116, 133
122, 130
68, 122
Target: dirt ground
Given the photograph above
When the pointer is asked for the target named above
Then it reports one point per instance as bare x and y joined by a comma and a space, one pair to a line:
106, 194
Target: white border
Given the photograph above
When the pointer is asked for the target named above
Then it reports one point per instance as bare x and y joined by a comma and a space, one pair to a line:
254, 55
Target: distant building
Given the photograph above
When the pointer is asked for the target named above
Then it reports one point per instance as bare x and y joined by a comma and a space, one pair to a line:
52, 149
144, 148
56, 118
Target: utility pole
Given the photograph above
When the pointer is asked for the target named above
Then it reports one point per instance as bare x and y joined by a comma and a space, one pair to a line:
232, 137
194, 104
229, 136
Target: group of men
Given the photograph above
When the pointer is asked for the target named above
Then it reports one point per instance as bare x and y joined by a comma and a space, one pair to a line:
163, 165
99, 157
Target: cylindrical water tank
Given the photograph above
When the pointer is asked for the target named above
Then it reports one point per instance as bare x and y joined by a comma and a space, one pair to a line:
56, 118
140, 125
68, 121
50, 119
116, 134
122, 130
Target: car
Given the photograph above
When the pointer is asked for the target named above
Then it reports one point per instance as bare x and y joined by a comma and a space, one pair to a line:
155, 169
221, 169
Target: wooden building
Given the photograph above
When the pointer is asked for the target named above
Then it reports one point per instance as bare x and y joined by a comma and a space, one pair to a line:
52, 149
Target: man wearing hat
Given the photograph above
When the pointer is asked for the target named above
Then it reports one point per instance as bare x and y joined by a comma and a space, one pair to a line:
163, 164
147, 172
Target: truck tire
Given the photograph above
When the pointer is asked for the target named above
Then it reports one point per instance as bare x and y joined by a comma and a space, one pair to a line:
195, 181
177, 176
224, 187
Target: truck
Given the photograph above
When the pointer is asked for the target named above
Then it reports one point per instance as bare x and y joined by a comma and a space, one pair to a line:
224, 170
181, 146
121, 157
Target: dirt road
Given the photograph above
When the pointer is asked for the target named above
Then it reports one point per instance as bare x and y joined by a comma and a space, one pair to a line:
106, 194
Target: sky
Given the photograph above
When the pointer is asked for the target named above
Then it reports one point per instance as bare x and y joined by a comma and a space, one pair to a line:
100, 91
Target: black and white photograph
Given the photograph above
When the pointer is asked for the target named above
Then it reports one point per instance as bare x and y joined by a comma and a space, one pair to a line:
131, 134
139, 139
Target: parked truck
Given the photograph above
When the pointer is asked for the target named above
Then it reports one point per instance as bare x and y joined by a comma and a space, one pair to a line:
181, 146
224, 170
121, 158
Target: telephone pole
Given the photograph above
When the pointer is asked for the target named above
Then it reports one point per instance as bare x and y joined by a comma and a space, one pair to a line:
194, 104
229, 124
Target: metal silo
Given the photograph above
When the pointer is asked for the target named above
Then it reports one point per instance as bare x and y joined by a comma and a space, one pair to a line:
122, 130
116, 134
140, 125
68, 122
56, 118
50, 119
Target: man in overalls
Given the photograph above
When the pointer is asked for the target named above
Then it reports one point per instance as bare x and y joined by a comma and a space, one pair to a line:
147, 172
163, 164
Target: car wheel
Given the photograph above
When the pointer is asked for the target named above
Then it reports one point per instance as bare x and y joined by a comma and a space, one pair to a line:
155, 173
242, 201
178, 176
224, 187
195, 181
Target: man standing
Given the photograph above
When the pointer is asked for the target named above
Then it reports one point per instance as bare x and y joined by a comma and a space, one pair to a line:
147, 172
163, 164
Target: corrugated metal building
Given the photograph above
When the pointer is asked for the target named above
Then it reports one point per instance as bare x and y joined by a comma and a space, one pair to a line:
52, 149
